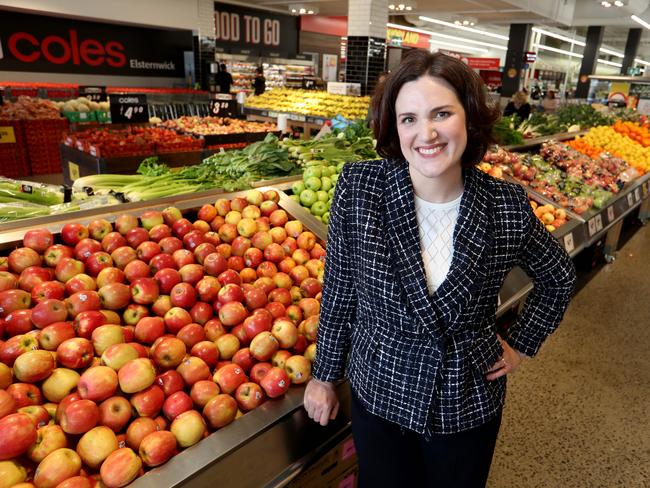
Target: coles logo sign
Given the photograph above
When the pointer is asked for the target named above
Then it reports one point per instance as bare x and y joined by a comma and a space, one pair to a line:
50, 44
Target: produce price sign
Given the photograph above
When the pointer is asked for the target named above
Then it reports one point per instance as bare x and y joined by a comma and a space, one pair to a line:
7, 135
637, 194
595, 225
630, 200
569, 245
93, 93
610, 214
223, 106
129, 109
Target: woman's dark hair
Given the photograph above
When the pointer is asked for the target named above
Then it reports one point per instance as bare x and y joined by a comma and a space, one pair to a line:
479, 116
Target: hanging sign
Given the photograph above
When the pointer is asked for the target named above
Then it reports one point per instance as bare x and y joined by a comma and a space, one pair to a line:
406, 38
93, 93
129, 109
483, 63
223, 106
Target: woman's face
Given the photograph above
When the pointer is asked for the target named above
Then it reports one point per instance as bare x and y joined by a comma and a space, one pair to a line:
431, 126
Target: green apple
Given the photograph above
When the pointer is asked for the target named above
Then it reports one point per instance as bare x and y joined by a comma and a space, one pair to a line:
312, 183
295, 198
330, 192
325, 183
322, 196
326, 218
318, 217
339, 167
312, 171
297, 188
329, 204
334, 178
319, 208
308, 198
333, 170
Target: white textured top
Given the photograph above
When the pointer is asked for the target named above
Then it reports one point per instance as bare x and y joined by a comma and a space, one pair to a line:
436, 222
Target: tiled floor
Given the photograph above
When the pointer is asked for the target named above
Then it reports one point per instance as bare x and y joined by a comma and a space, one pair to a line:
578, 415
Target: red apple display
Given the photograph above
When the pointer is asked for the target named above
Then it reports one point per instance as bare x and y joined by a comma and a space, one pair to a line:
148, 402
188, 428
136, 375
49, 438
120, 468
229, 378
97, 383
38, 240
157, 447
17, 433
95, 446
220, 411
57, 467
115, 413
249, 396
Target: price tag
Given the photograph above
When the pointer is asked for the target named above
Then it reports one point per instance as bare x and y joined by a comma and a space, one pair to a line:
129, 109
222, 108
308, 84
637, 194
7, 135
568, 242
610, 214
592, 226
630, 200
599, 222
93, 93
73, 170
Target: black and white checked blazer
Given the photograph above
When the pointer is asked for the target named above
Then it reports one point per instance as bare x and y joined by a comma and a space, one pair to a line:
412, 358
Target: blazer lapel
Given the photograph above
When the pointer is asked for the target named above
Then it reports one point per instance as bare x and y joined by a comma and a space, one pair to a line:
404, 239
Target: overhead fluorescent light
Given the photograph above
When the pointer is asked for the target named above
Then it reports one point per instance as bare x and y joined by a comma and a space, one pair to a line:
446, 36
610, 63
639, 20
613, 53
461, 27
471, 49
558, 36
641, 61
556, 50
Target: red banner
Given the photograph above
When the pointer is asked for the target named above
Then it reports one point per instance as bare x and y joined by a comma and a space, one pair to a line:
483, 63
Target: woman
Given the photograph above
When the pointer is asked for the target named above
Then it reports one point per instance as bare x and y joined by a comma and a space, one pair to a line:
550, 103
518, 106
419, 244
259, 83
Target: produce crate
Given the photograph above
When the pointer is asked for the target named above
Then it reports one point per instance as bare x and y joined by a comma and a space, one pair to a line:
42, 139
336, 468
13, 158
78, 163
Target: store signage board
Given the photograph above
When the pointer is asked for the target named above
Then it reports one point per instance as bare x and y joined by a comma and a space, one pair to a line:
258, 31
530, 57
405, 38
93, 93
129, 109
482, 63
46, 44
222, 107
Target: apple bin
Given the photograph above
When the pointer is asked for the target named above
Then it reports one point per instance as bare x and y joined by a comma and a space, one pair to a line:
146, 391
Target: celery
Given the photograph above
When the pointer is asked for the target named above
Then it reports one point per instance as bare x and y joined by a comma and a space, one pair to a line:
22, 210
31, 191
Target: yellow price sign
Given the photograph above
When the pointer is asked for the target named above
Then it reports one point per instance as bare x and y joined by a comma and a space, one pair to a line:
7, 135
73, 170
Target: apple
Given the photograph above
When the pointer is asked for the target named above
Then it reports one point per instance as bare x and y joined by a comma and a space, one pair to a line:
55, 253
188, 428
48, 289
171, 215
175, 404
97, 262
54, 334
11, 300
86, 322
122, 256
140, 428
47, 312
169, 352
16, 346
289, 245
194, 238
80, 282
136, 375
12, 473
167, 278
228, 345
59, 384
294, 228
111, 241
261, 321
33, 366
82, 301
191, 273
214, 329
222, 205
193, 369
79, 417
266, 283
95, 446
25, 394
7, 403
77, 482
182, 257
49, 438
114, 296
310, 287
220, 411
204, 249
146, 250
230, 292
310, 328
170, 382
148, 402
22, 258
144, 291
298, 369
30, 277
58, 466
18, 322
148, 329
136, 269
75, 353
275, 382
249, 395
281, 295
259, 370
309, 306
105, 336
244, 359
286, 265
176, 318
229, 378
38, 240
161, 261
201, 312
168, 245
134, 313
215, 264
72, 233
37, 413
98, 383
162, 305
115, 413
183, 295
203, 391
117, 355
85, 248
8, 281
232, 313
109, 275
151, 218
112, 317
191, 334
120, 468
157, 448
206, 350
136, 236
181, 227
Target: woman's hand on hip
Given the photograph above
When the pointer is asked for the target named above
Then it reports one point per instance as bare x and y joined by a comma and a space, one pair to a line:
507, 363
320, 401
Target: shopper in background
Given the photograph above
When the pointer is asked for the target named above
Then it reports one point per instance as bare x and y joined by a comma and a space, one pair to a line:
418, 246
518, 105
223, 79
550, 103
259, 83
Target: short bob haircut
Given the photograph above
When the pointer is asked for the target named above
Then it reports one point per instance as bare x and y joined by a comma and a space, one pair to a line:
479, 116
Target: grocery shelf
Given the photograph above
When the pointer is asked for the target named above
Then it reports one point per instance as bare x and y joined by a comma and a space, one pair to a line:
538, 141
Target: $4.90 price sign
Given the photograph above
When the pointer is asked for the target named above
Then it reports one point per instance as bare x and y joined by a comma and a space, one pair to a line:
222, 108
129, 109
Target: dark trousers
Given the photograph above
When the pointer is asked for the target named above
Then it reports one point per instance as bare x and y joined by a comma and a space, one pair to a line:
393, 457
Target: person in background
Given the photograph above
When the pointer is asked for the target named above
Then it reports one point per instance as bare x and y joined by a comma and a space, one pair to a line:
418, 246
536, 93
259, 83
550, 103
223, 79
518, 105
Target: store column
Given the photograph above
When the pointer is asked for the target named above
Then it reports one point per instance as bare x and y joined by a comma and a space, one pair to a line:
631, 48
589, 59
519, 36
366, 49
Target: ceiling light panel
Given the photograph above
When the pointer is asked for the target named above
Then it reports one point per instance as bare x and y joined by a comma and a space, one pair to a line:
461, 27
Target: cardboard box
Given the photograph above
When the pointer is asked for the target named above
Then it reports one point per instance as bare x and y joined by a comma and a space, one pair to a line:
337, 468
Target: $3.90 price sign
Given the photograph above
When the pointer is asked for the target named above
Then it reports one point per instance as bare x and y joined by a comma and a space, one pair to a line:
93, 93
129, 109
222, 108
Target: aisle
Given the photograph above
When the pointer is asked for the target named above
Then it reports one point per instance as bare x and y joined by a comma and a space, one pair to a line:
578, 415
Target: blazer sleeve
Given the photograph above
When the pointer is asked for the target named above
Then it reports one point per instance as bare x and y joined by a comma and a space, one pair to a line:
339, 299
553, 275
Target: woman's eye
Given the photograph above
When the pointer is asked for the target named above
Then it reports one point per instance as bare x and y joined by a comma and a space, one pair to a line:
442, 115
407, 120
